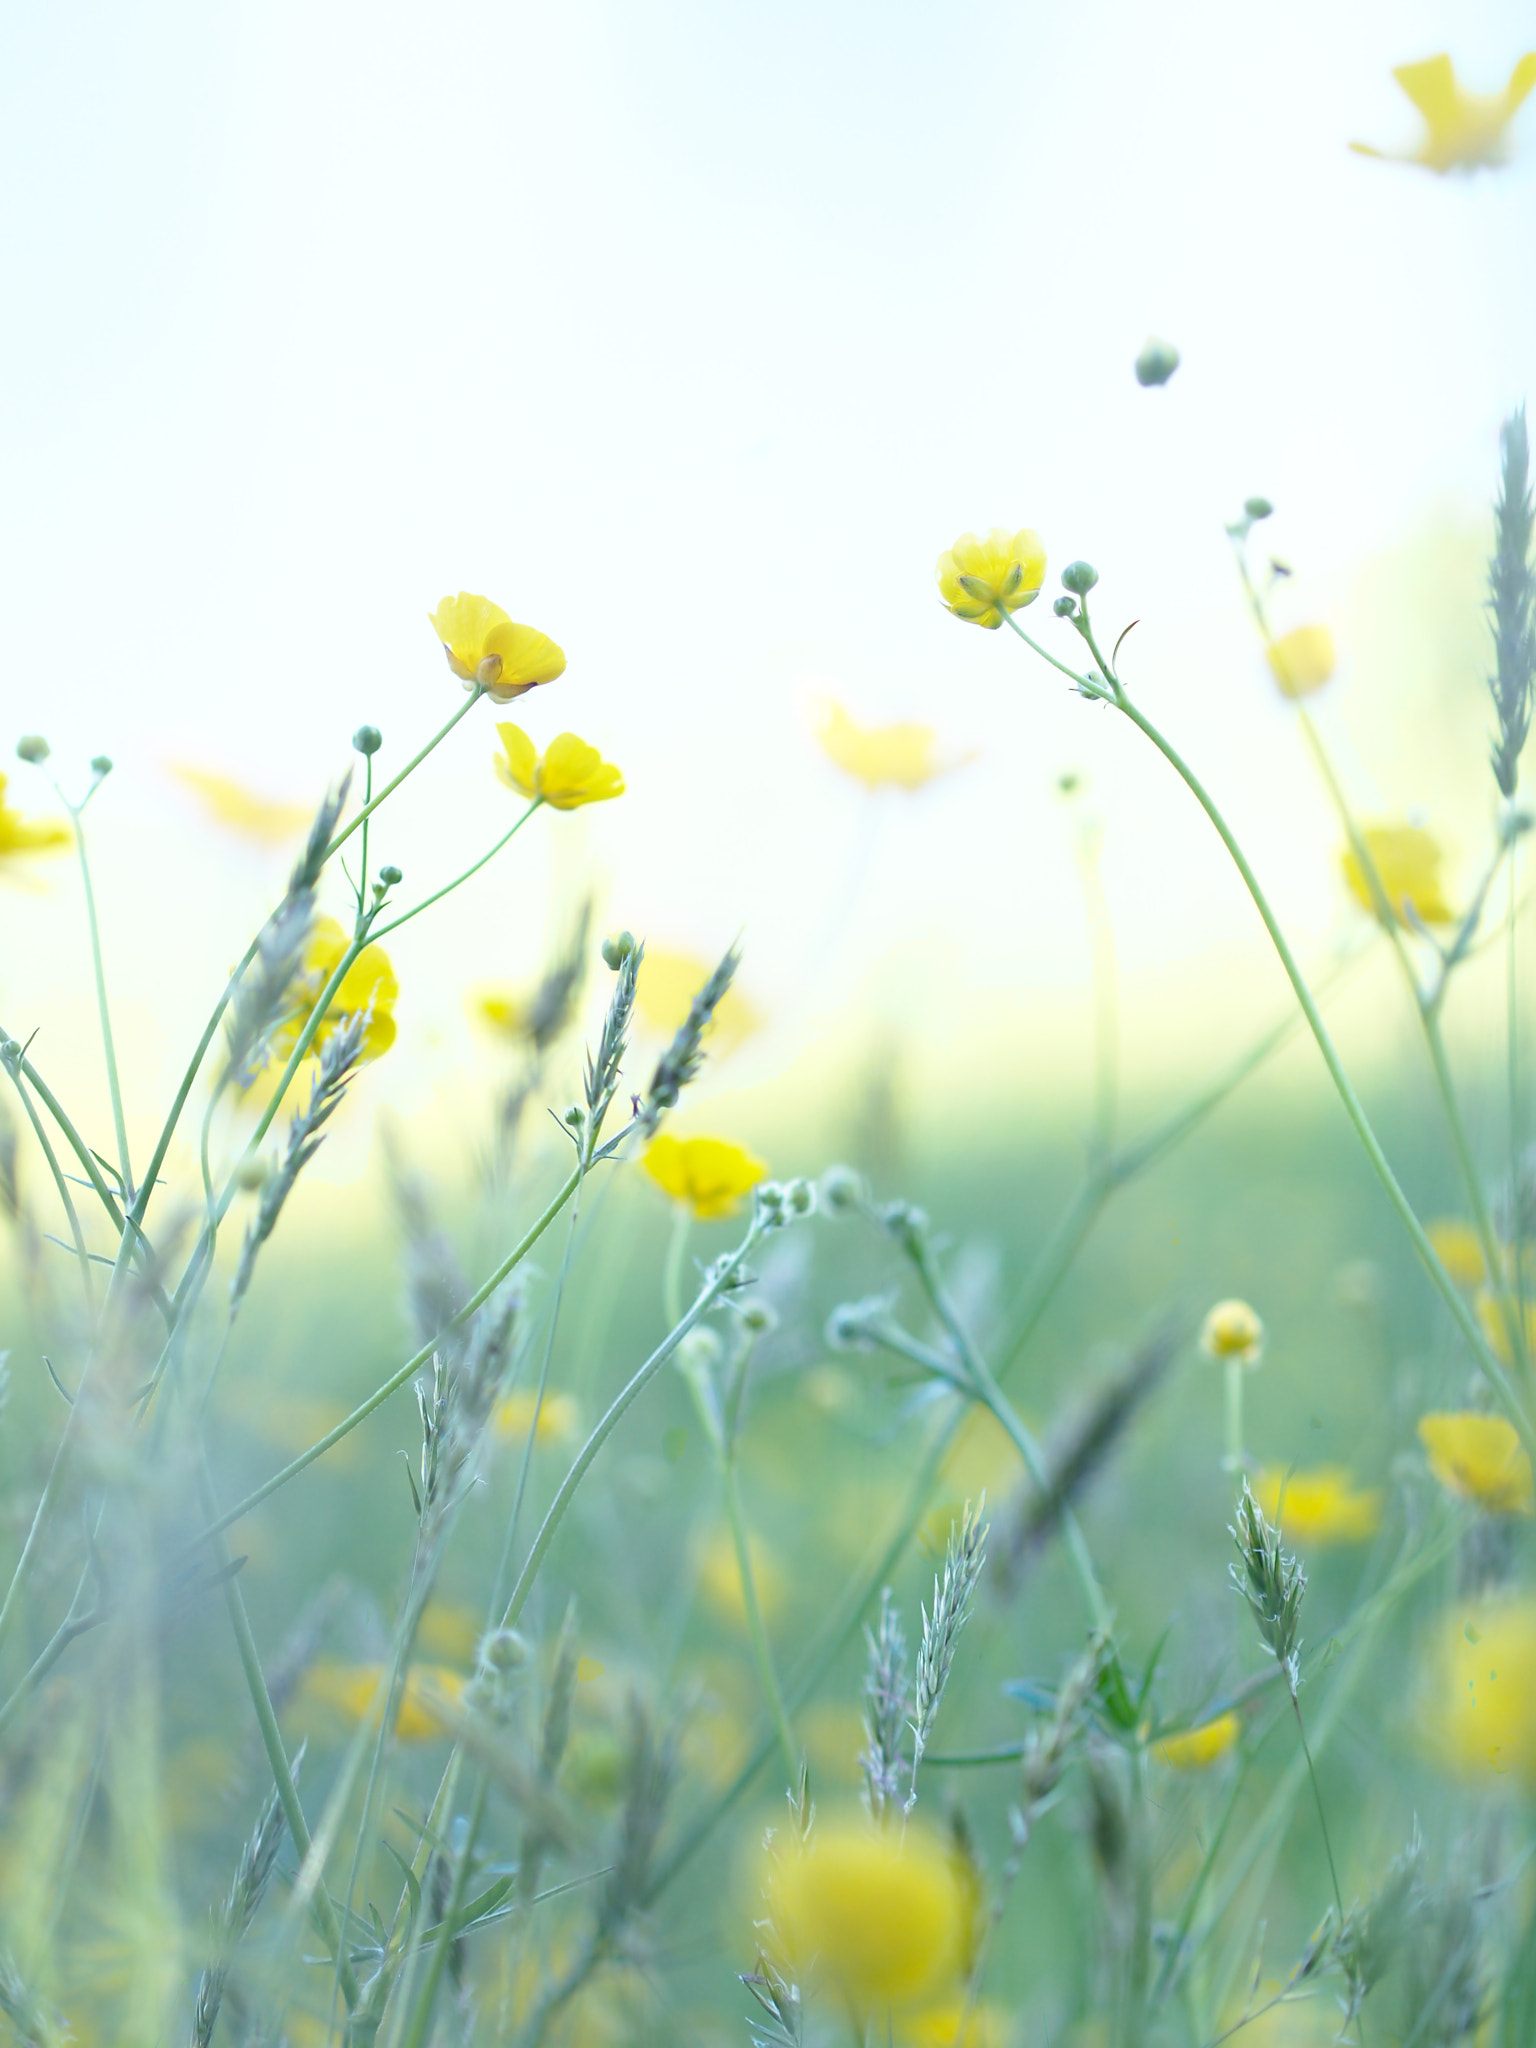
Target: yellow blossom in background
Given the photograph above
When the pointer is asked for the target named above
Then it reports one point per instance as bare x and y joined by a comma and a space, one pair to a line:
1320, 1507
710, 1174
1408, 860
450, 1633
1478, 1708
938, 2026
28, 835
898, 756
559, 1417
981, 580
231, 804
353, 1690
369, 981
665, 989
567, 774
484, 646
1303, 661
1463, 131
884, 1916
500, 1009
1495, 1316
1459, 1249
1233, 1330
720, 1585
1197, 1748
1479, 1457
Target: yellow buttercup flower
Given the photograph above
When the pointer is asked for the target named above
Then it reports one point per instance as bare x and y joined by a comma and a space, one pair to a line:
1302, 661
720, 1585
1463, 131
369, 980
880, 756
883, 1916
1319, 1508
1496, 1316
230, 803
1479, 1457
559, 1417
487, 648
353, 1690
665, 989
566, 774
981, 580
1233, 1330
1459, 1249
938, 2026
710, 1174
1407, 860
1197, 1748
28, 835
1478, 1711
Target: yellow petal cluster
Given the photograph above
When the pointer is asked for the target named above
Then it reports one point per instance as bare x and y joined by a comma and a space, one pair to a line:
1479, 1457
355, 1690
883, 1916
1463, 131
1478, 1709
1303, 661
568, 773
28, 835
710, 1174
1197, 1748
370, 980
486, 648
559, 1417
983, 580
1408, 860
1233, 1330
1459, 1249
664, 993
241, 810
720, 1585
898, 756
1320, 1507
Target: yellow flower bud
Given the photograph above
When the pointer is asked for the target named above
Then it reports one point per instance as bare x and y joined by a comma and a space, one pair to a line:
1232, 1330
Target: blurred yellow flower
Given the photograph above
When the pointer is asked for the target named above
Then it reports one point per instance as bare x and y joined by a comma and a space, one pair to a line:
1479, 1457
568, 773
980, 580
720, 1585
484, 646
884, 1916
880, 756
710, 1174
1302, 661
1233, 1330
1463, 131
1199, 1747
230, 803
1478, 1713
451, 1633
559, 1417
1408, 861
1495, 1316
1320, 1507
353, 1690
938, 2026
666, 987
28, 835
370, 980
1459, 1249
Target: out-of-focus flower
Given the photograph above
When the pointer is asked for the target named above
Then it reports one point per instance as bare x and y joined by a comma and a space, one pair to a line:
1463, 131
664, 993
28, 835
710, 1174
1156, 363
1302, 661
981, 580
1233, 1330
1459, 1249
1197, 1748
1319, 1508
500, 1008
559, 1417
484, 646
354, 1690
938, 2026
1478, 1712
1479, 1457
450, 1633
720, 1585
898, 756
370, 980
883, 1916
1495, 1315
1408, 860
231, 804
568, 773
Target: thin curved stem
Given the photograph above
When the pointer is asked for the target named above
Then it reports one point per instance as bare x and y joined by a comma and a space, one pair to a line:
104, 1014
421, 2016
757, 1631
410, 768
448, 888
71, 1213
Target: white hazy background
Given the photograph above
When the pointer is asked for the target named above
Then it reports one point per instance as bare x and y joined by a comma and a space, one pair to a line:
692, 334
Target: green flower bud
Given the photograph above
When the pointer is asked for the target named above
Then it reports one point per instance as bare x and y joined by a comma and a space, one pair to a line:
101, 764
367, 739
1157, 362
504, 1650
390, 875
33, 748
617, 950
1257, 508
1079, 578
1065, 607
842, 1191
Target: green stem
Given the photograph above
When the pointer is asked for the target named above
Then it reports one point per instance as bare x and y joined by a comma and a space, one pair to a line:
448, 887
1322, 1818
410, 768
756, 1630
672, 1270
1516, 1231
421, 2017
87, 1278
1233, 1461
109, 1050
360, 924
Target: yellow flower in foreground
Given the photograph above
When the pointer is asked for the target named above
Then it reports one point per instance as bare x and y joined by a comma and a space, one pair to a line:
710, 1174
559, 1417
880, 756
566, 774
369, 980
1320, 1507
885, 1917
1407, 859
1459, 1249
484, 646
720, 1584
1302, 661
1478, 1714
664, 993
230, 803
1479, 1457
1198, 1747
354, 1690
1233, 1330
980, 580
1463, 131
28, 835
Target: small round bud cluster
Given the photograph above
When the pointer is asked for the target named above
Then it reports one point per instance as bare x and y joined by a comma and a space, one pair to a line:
847, 1325
390, 875
843, 1192
574, 1117
618, 949
1079, 578
367, 739
727, 1277
905, 1222
1257, 508
503, 1650
33, 748
760, 1317
1065, 607
780, 1201
101, 764
10, 1054
1156, 363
